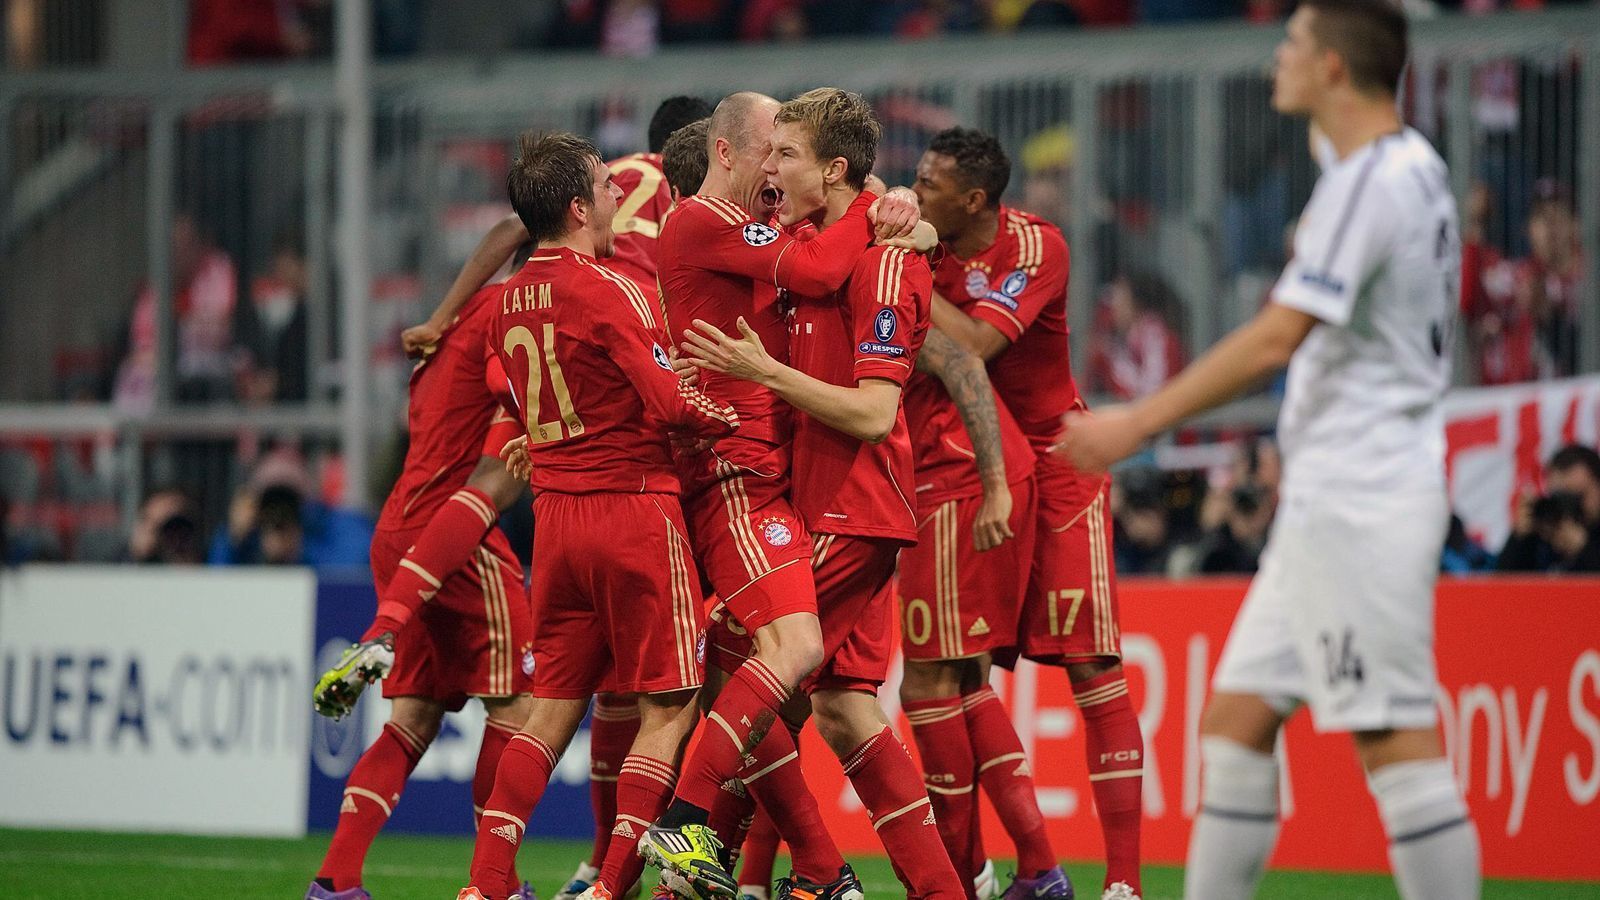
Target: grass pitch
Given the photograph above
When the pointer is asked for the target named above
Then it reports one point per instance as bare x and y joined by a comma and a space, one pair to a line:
54, 865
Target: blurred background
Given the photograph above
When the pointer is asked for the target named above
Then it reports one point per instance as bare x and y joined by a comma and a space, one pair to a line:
219, 214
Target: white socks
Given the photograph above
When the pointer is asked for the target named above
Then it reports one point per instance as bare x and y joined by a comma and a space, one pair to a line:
1238, 821
1433, 845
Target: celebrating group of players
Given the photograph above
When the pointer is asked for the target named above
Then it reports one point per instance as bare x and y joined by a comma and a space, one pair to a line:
838, 401
738, 368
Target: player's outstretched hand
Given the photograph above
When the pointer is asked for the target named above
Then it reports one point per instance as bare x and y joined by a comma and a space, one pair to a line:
993, 525
894, 214
421, 340
1094, 442
744, 357
518, 462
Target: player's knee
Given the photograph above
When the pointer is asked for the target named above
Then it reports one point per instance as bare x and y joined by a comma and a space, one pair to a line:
791, 646
1243, 719
1078, 672
930, 681
511, 710
421, 718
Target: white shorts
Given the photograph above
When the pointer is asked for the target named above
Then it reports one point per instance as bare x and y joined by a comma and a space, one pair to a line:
1340, 615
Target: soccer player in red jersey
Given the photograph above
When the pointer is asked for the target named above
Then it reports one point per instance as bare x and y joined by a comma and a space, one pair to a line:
1001, 292
851, 353
721, 261
582, 348
473, 630
960, 586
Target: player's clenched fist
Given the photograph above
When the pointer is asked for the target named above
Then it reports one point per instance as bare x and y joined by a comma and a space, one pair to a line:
1095, 442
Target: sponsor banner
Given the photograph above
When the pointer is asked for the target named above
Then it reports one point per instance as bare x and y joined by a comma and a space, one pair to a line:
1519, 665
438, 798
155, 699
1499, 438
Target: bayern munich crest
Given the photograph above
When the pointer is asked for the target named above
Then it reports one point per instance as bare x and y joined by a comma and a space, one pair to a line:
527, 661
977, 282
776, 533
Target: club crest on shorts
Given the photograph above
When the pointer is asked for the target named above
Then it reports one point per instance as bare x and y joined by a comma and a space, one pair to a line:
884, 325
700, 648
759, 235
775, 532
977, 283
662, 359
527, 659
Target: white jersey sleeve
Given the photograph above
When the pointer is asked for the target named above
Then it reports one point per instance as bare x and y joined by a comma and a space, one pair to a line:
1343, 238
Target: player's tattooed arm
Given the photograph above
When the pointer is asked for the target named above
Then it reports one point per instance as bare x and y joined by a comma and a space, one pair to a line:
976, 335
967, 382
491, 253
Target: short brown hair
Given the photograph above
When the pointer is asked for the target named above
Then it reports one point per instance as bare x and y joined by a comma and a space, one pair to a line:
841, 125
549, 171
1371, 37
684, 157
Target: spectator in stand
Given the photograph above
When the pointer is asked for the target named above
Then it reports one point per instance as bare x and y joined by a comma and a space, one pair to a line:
206, 289
1463, 555
1138, 337
1236, 545
631, 28
1142, 537
167, 530
779, 21
278, 328
227, 31
1523, 316
1541, 530
260, 531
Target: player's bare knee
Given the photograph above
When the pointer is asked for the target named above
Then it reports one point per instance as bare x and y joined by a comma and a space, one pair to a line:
932, 680
1078, 672
1244, 719
419, 716
508, 712
791, 646
1377, 749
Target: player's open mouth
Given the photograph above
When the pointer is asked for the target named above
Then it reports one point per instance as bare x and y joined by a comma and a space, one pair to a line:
771, 197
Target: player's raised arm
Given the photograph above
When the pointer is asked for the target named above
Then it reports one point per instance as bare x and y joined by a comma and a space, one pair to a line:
491, 253
728, 240
966, 380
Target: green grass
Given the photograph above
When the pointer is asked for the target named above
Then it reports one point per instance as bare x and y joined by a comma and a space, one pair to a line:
54, 865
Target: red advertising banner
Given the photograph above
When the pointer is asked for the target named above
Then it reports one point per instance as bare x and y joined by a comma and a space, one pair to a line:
1519, 666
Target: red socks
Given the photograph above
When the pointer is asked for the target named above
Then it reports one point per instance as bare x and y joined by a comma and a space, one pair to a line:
743, 714
369, 797
1006, 777
949, 771
644, 786
1116, 770
612, 727
760, 850
443, 547
776, 779
519, 782
887, 782
496, 734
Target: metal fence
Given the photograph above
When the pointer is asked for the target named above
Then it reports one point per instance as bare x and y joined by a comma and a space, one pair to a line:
211, 196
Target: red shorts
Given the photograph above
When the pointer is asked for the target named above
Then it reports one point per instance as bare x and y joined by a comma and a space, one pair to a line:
749, 542
615, 601
855, 605
1069, 613
957, 603
474, 638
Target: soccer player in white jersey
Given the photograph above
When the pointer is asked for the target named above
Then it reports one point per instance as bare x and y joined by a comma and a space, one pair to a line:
1340, 616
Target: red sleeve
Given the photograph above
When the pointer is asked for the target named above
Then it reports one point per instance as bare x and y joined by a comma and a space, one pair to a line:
1039, 280
889, 298
726, 239
628, 333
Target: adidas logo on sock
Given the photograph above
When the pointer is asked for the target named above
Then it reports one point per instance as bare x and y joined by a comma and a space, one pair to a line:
624, 831
979, 628
348, 806
507, 831
930, 820
1022, 770
735, 787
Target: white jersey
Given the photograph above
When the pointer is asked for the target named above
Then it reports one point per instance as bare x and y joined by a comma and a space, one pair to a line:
1377, 259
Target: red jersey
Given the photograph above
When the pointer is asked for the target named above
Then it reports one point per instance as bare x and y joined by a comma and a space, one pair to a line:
1018, 284
453, 402
946, 466
584, 354
871, 328
646, 197
718, 263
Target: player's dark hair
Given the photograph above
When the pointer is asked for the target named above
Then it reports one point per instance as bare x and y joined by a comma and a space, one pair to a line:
673, 114
981, 163
550, 170
1371, 36
842, 125
279, 507
1574, 455
684, 157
